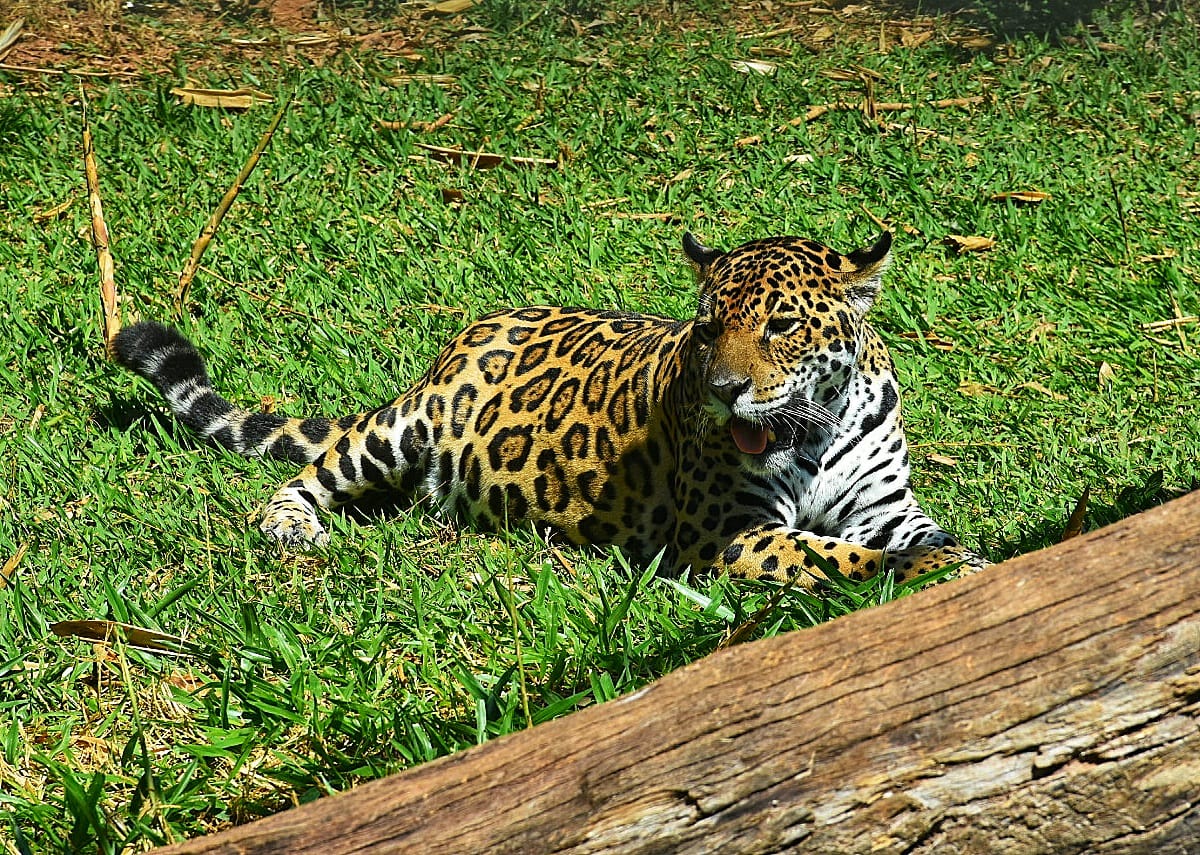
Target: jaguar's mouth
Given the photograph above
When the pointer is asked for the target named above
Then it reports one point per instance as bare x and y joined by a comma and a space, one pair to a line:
756, 439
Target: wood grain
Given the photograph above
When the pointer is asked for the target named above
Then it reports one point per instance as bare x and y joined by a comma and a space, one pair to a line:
1049, 704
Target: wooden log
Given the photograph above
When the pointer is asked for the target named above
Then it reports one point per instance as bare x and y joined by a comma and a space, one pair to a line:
1049, 704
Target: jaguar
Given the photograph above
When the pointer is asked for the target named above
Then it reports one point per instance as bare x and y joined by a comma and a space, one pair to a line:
761, 437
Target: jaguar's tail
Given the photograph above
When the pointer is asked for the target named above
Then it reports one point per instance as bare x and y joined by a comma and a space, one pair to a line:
168, 360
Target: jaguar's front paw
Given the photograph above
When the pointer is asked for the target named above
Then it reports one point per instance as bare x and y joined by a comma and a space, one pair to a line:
294, 528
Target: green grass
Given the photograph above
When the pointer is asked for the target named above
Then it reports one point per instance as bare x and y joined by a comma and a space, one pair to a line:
341, 270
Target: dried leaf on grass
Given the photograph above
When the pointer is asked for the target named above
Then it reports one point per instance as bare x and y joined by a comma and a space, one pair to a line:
11, 565
909, 39
484, 159
110, 311
423, 127
51, 213
451, 7
754, 66
931, 338
229, 99
427, 79
1075, 521
872, 107
1105, 375
942, 460
9, 38
106, 631
968, 243
1027, 197
972, 389
1035, 386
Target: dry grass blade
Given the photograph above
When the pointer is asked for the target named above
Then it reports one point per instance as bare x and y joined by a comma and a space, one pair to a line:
210, 229
423, 127
11, 565
110, 311
483, 159
1170, 323
1075, 521
232, 99
871, 107
106, 631
745, 630
10, 36
1028, 197
51, 213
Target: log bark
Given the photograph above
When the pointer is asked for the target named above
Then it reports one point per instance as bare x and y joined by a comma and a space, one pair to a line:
1049, 704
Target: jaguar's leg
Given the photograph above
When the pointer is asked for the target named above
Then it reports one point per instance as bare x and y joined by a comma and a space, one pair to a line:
382, 451
782, 554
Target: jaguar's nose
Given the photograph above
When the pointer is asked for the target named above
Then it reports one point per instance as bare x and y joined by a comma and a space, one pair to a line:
728, 389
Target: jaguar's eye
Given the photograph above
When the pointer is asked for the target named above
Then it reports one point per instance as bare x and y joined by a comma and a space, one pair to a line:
706, 332
783, 326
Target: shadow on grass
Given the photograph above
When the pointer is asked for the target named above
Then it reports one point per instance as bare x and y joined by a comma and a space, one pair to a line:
1010, 19
1131, 500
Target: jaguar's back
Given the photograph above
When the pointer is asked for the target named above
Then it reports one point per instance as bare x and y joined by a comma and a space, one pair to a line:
759, 434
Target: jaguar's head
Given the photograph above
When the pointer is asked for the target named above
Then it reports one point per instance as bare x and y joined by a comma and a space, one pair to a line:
777, 335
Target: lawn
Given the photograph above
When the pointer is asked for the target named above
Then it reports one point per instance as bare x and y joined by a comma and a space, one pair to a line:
1063, 358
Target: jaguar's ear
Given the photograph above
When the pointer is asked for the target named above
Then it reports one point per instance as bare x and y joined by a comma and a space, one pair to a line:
862, 281
698, 254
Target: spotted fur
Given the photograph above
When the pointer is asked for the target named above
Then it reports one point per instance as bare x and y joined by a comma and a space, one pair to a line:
759, 434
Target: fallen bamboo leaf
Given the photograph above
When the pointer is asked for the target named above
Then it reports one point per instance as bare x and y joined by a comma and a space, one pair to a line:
9, 38
106, 631
943, 460
452, 7
230, 99
210, 229
968, 243
110, 311
1074, 526
747, 141
10, 566
799, 158
754, 66
484, 159
1105, 375
1029, 197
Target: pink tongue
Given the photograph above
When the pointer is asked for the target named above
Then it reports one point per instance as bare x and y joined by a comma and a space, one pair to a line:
749, 438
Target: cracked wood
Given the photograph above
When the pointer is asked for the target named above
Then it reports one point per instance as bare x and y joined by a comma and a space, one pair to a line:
1049, 704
